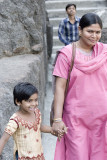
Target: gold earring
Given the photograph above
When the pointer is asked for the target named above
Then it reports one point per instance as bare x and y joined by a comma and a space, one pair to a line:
79, 34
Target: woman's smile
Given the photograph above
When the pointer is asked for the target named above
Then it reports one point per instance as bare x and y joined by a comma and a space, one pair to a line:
90, 35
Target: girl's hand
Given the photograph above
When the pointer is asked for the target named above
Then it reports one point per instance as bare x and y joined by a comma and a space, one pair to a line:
59, 129
58, 134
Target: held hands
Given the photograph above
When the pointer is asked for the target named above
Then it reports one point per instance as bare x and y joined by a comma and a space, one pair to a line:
59, 129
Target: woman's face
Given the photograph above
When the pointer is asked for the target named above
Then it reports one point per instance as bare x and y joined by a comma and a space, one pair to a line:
90, 35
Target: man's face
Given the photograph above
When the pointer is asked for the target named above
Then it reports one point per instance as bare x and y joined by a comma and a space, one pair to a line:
71, 11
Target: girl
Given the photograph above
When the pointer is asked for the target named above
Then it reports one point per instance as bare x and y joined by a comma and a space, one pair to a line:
25, 125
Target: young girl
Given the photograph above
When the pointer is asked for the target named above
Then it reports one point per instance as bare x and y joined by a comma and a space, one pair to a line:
25, 125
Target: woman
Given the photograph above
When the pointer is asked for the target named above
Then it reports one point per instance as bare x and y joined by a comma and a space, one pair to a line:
85, 105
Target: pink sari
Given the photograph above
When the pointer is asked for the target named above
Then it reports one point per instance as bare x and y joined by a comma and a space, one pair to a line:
85, 107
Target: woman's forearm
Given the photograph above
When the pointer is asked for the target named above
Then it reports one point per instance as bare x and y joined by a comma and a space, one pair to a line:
59, 97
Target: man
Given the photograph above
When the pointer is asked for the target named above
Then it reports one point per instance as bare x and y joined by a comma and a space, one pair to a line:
68, 28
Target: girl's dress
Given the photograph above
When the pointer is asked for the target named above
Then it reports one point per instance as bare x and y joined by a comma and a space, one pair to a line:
27, 137
85, 106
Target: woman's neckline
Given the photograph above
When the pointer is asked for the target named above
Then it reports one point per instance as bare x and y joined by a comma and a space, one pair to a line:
84, 51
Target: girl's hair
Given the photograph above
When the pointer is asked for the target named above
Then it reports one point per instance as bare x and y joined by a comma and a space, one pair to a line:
23, 91
89, 19
69, 5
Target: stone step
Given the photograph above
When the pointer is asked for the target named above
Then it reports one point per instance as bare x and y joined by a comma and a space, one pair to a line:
56, 20
56, 41
62, 4
56, 48
55, 31
60, 13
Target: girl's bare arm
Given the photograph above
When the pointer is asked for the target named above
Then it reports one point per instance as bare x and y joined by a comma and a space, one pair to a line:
46, 129
3, 141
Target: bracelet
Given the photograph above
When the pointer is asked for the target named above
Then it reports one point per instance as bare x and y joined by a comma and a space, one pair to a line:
57, 120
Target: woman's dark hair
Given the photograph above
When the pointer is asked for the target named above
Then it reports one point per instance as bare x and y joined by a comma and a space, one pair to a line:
23, 91
89, 19
69, 5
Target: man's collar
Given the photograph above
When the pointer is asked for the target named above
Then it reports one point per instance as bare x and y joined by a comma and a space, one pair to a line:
76, 19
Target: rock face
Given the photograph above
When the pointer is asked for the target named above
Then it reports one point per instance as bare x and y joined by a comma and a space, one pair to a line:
103, 16
104, 31
104, 36
21, 26
23, 55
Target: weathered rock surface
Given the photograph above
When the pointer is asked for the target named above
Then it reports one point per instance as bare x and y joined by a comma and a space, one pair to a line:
103, 16
21, 25
104, 36
23, 54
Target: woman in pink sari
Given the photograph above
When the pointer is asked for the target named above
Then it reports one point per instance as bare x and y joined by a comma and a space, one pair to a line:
85, 105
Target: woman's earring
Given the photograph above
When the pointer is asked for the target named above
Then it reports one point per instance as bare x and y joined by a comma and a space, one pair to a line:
79, 34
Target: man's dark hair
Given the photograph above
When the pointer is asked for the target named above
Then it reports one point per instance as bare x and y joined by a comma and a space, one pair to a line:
69, 5
89, 19
23, 91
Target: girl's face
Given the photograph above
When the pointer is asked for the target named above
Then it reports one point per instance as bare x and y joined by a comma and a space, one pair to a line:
28, 106
90, 35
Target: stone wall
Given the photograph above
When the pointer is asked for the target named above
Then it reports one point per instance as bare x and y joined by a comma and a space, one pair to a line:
104, 31
23, 55
22, 25
103, 16
104, 36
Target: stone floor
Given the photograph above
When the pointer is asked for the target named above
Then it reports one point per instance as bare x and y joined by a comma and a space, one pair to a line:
48, 140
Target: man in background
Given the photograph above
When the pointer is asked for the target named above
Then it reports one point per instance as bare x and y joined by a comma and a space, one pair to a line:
68, 28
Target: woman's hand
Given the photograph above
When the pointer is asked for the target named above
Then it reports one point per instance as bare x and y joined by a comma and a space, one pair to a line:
58, 126
59, 129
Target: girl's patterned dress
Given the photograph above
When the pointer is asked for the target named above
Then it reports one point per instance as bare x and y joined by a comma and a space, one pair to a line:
27, 137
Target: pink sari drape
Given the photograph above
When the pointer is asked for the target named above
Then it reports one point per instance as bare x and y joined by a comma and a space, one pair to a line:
85, 107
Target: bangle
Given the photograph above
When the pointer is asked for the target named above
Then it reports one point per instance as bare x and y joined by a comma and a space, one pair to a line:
57, 120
